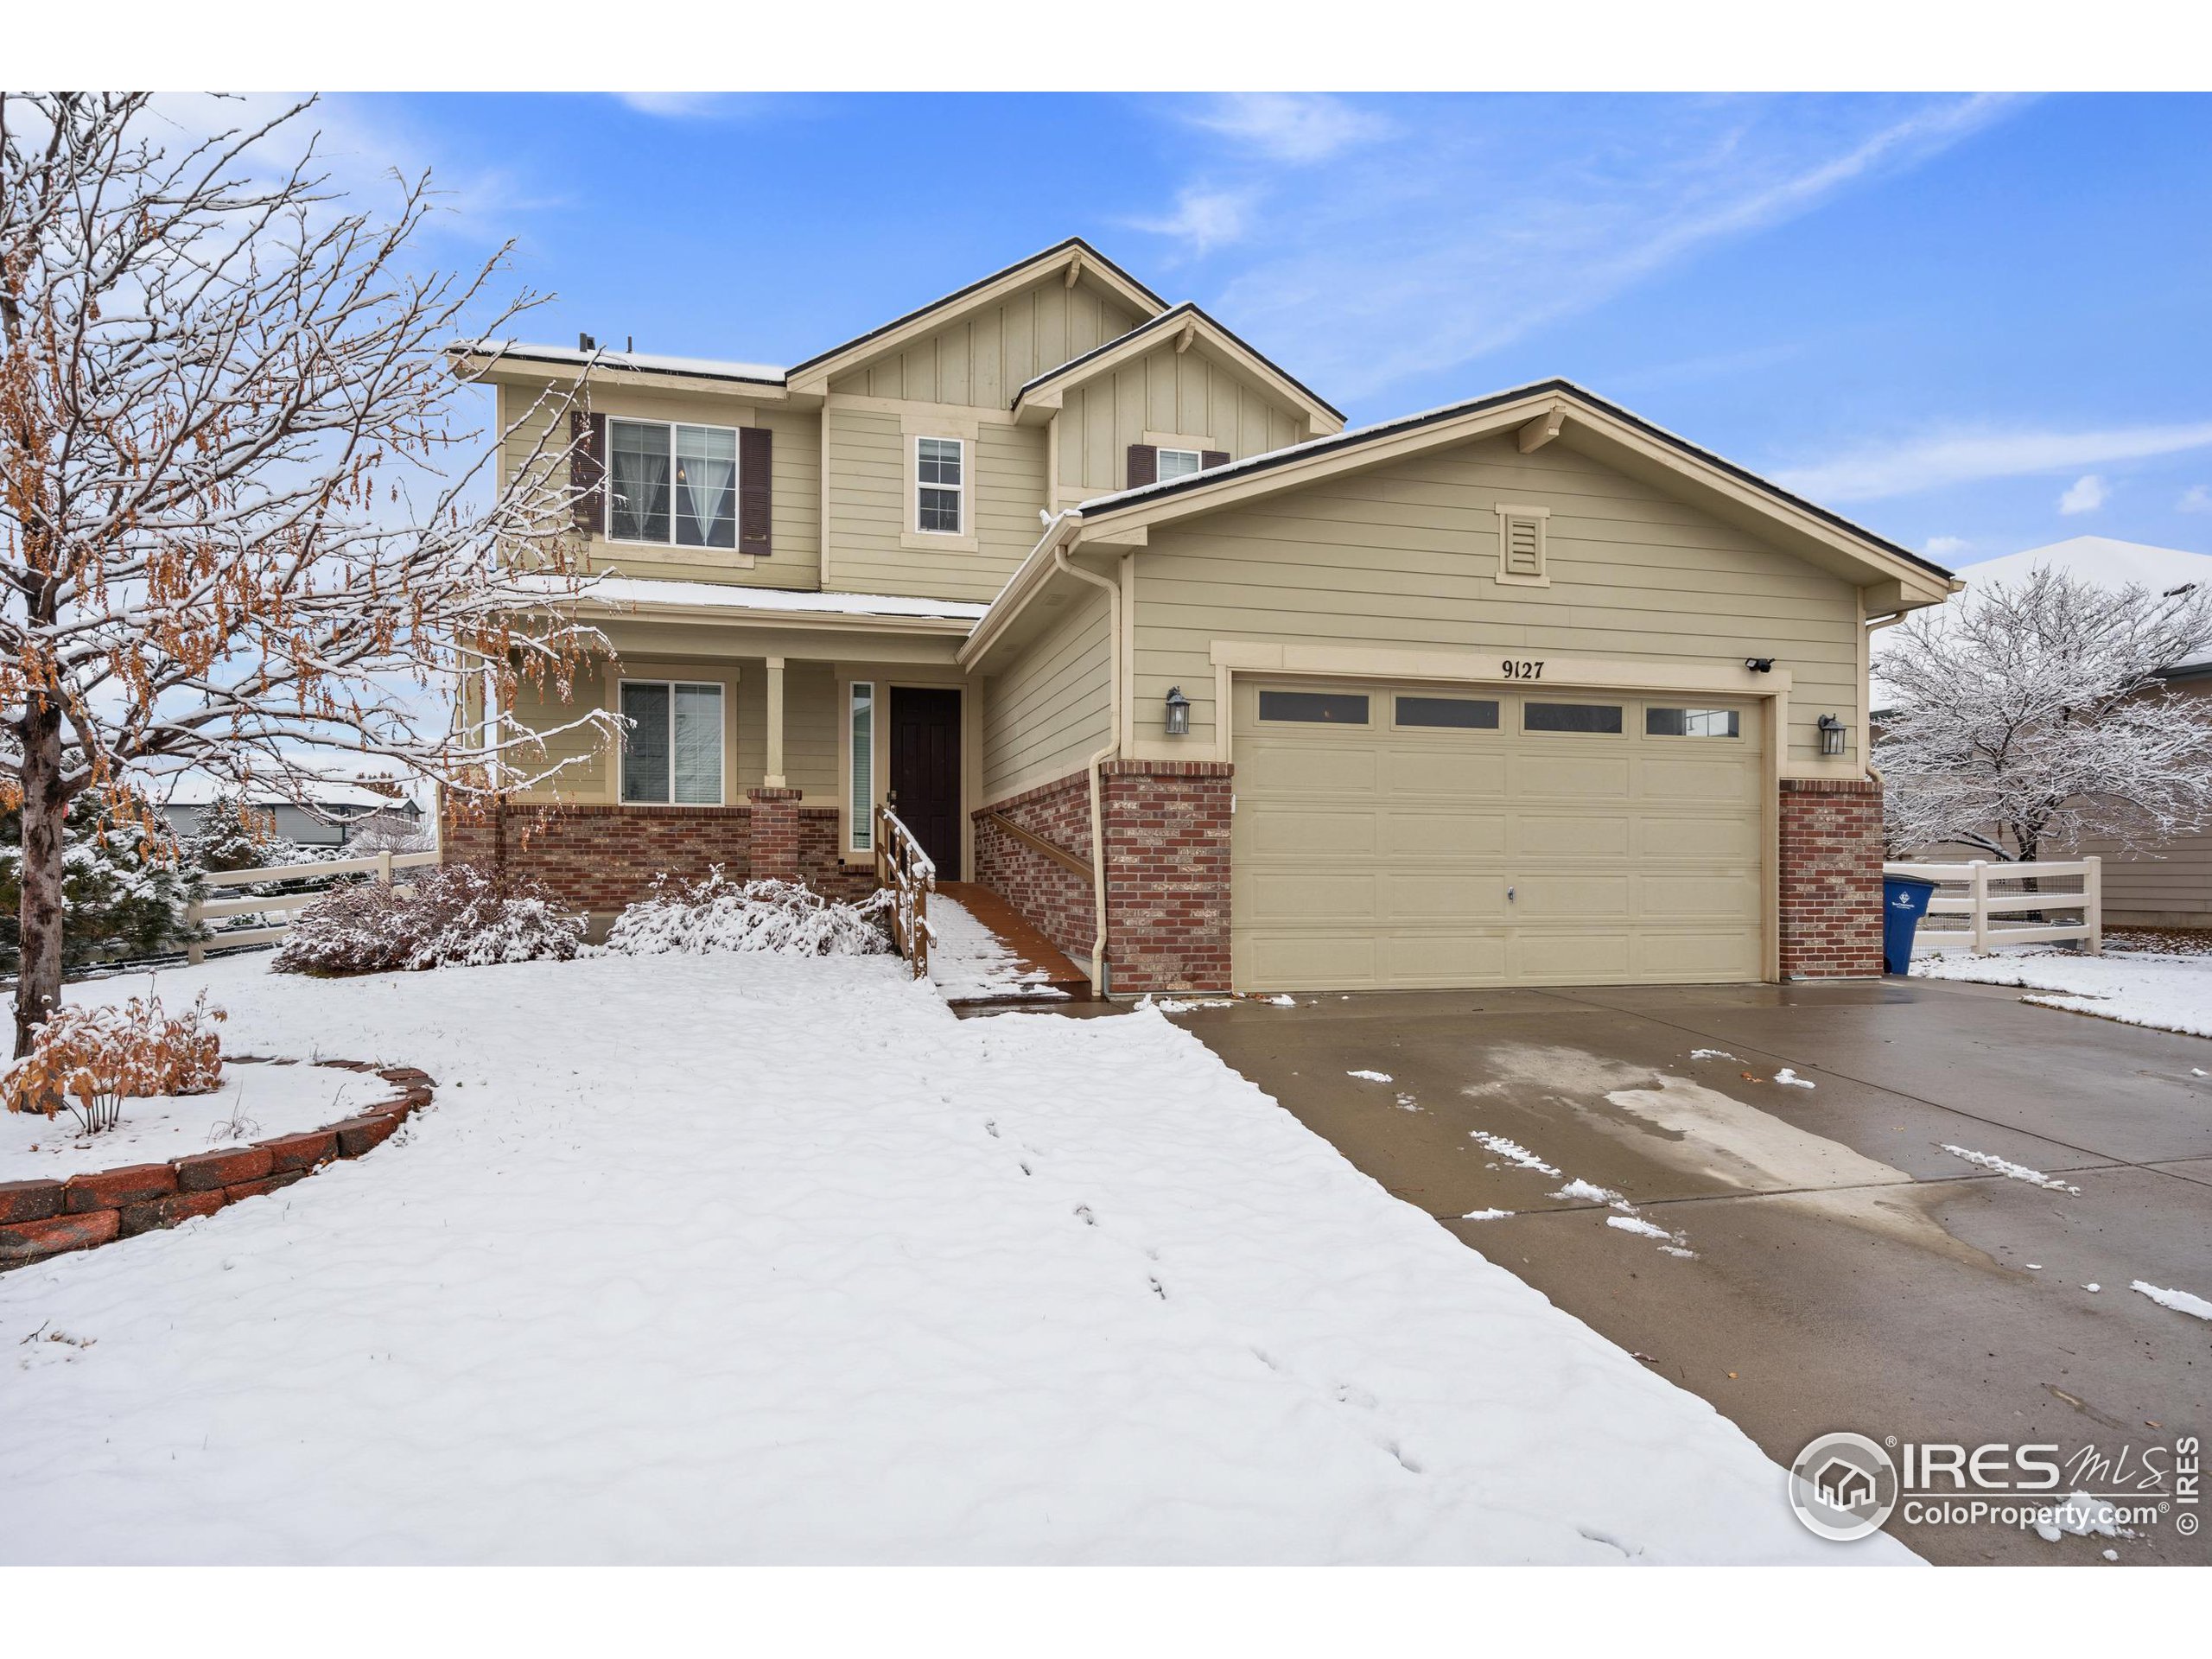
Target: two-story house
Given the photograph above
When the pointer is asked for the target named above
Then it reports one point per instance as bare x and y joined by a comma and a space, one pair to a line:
1124, 624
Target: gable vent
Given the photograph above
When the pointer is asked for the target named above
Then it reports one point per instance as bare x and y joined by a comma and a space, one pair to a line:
1521, 545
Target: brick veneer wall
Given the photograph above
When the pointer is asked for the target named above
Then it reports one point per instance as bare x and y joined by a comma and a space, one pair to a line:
821, 861
1167, 825
1050, 894
1831, 877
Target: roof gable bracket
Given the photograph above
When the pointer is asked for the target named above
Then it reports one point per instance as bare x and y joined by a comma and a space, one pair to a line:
1541, 431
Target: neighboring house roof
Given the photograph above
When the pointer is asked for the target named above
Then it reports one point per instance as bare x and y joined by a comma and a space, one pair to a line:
700, 368
2111, 564
193, 790
1152, 333
1074, 256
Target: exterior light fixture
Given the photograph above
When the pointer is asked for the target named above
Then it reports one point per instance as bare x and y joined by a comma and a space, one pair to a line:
1759, 664
1179, 712
1831, 734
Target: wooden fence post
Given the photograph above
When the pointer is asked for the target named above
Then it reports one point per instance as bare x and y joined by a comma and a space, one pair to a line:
2093, 903
383, 868
1978, 889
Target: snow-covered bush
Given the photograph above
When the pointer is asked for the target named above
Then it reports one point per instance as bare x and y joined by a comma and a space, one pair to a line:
90, 1059
457, 915
719, 914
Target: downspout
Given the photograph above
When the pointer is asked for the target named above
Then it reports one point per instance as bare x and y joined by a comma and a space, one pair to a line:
1875, 626
1113, 746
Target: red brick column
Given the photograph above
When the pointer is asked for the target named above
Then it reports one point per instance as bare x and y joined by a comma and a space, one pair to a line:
775, 833
1167, 826
1831, 877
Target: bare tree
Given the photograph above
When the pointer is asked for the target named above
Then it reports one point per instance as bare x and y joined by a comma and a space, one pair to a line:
236, 520
2032, 716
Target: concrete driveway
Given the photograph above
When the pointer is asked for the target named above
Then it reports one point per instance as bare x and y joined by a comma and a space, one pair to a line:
1809, 1259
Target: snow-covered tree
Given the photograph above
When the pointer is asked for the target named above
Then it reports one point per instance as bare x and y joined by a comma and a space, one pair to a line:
124, 893
2028, 716
237, 521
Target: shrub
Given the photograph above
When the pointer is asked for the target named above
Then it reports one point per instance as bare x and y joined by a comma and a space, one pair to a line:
90, 1060
456, 915
719, 914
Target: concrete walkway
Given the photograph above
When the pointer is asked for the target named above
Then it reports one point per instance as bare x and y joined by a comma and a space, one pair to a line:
1839, 1268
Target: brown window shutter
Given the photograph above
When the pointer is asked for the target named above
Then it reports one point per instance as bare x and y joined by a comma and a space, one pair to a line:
1144, 464
588, 470
755, 499
1209, 458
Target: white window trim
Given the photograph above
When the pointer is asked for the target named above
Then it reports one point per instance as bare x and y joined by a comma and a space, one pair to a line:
737, 491
1507, 512
859, 812
923, 425
724, 702
1197, 458
967, 528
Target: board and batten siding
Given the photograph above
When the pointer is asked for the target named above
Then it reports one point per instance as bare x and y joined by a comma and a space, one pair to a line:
1404, 556
1189, 395
1048, 710
982, 358
870, 514
795, 496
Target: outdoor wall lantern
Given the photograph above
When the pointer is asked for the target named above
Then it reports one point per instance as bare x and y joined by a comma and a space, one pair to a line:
1831, 734
1179, 712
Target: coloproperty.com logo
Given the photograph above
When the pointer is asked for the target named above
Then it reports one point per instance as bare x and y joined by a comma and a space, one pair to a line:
1844, 1486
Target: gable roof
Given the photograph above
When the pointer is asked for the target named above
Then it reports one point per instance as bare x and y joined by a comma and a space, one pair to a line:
1603, 426
2111, 564
492, 353
1155, 331
1093, 265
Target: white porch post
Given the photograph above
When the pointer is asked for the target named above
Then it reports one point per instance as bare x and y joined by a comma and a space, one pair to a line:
774, 777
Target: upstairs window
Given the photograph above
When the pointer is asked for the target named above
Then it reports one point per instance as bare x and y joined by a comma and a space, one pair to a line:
1179, 463
672, 484
940, 473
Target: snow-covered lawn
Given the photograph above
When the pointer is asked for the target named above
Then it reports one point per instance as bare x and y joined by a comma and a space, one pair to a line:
762, 1259
2169, 993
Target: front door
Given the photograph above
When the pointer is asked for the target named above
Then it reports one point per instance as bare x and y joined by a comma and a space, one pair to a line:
925, 770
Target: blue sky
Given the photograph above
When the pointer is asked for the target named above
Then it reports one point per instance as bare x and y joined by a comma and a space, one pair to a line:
1974, 324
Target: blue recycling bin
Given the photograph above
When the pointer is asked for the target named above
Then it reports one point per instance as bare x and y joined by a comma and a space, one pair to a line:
1904, 901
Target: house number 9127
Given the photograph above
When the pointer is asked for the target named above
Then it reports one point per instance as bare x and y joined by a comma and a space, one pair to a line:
1524, 669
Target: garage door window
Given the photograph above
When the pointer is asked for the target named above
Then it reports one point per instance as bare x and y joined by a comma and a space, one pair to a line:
1692, 722
1464, 713
1571, 717
1316, 707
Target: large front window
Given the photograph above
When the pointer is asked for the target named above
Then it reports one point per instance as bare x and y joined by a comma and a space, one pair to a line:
672, 749
672, 484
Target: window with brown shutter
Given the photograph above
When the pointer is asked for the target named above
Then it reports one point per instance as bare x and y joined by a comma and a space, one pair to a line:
1521, 555
755, 499
587, 471
1144, 464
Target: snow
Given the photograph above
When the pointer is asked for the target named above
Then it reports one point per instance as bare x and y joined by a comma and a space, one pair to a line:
1640, 1227
756, 1258
2180, 1301
622, 591
1792, 1080
2166, 993
2103, 560
2081, 1514
1371, 1077
1512, 1151
1282, 999
252, 1103
717, 914
719, 368
1486, 1215
1711, 1054
1590, 1191
2011, 1171
968, 964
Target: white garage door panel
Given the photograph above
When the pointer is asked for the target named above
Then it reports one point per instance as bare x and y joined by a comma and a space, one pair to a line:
1380, 857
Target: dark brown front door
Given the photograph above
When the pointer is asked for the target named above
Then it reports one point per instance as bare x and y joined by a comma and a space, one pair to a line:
925, 772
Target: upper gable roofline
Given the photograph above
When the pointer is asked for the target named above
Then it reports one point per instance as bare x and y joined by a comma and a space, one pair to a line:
481, 358
1188, 308
823, 363
1221, 479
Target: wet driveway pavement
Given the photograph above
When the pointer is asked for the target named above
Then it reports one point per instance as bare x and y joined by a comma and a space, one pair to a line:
1807, 1259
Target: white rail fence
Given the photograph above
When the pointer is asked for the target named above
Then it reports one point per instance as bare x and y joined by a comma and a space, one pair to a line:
282, 905
1987, 904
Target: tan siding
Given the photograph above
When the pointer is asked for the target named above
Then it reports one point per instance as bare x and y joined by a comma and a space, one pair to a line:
1048, 712
2175, 881
795, 495
1191, 394
869, 509
540, 708
1404, 556
982, 358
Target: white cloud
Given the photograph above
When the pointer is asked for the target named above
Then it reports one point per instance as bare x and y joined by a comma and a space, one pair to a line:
2085, 494
1203, 219
2196, 498
674, 105
1941, 547
1876, 472
1289, 126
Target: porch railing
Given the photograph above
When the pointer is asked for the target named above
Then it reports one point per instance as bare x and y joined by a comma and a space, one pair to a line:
381, 865
1986, 904
907, 872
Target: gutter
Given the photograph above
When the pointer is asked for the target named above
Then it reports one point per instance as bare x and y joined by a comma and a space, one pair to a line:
1090, 767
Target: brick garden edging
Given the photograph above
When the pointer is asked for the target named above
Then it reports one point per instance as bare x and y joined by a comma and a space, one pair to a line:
42, 1219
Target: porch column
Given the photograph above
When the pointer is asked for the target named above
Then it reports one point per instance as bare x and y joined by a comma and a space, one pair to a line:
773, 774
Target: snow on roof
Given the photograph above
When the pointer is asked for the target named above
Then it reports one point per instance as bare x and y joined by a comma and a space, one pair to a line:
726, 595
710, 367
193, 789
2106, 563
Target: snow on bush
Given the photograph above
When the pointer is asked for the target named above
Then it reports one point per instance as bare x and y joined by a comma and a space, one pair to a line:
90, 1059
719, 914
457, 915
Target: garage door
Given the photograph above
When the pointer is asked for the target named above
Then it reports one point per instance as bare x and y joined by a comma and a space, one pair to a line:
1400, 836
